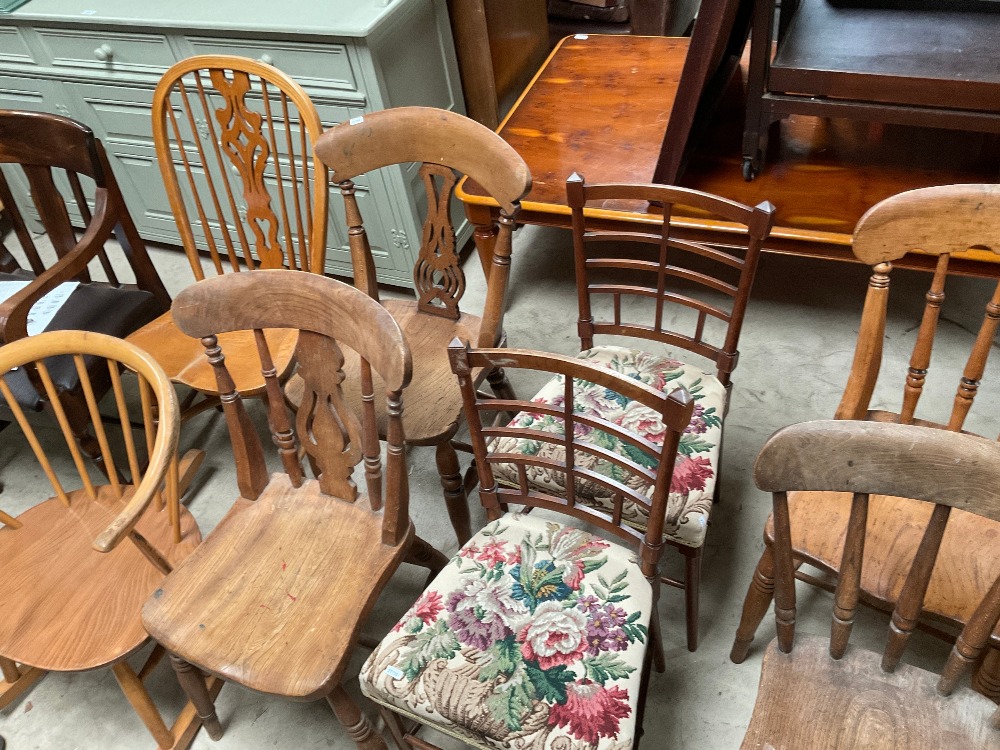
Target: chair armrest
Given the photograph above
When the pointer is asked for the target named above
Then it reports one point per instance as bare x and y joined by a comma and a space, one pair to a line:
14, 311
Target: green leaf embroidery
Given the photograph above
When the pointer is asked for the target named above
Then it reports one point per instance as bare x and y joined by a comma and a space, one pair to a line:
549, 684
605, 668
435, 642
504, 659
639, 456
511, 701
690, 445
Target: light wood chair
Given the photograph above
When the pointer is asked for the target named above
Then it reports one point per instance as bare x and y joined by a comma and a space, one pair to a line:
824, 693
656, 288
52, 152
234, 141
442, 143
938, 221
78, 565
275, 598
538, 633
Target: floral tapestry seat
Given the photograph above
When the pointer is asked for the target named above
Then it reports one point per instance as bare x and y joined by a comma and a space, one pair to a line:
693, 483
533, 636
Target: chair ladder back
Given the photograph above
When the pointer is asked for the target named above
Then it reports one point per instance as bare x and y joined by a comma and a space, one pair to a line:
22, 232
437, 275
487, 444
253, 187
251, 471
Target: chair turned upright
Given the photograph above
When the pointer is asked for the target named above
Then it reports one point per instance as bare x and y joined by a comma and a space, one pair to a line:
826, 693
276, 596
443, 143
538, 633
234, 141
52, 152
938, 221
659, 289
78, 565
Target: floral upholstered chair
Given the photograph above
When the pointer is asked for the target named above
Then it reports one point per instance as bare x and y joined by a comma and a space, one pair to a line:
539, 633
654, 292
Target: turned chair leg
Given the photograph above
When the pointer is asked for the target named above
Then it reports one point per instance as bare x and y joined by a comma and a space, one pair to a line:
656, 641
454, 491
426, 555
987, 677
758, 599
354, 721
193, 682
692, 589
137, 695
16, 680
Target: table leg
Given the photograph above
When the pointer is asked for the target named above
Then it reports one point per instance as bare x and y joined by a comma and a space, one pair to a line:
485, 234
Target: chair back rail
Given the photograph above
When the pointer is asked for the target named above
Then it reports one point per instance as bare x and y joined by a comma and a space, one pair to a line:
730, 275
443, 143
867, 458
674, 411
937, 221
327, 314
233, 139
139, 468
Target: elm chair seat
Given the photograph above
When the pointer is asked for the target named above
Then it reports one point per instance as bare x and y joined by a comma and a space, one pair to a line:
116, 311
693, 485
533, 635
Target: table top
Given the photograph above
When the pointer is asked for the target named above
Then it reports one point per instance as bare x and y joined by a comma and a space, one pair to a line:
821, 174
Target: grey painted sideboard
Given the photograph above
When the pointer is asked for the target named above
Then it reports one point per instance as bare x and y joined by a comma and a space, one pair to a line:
98, 61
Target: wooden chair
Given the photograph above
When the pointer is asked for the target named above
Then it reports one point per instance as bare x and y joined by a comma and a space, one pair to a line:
50, 152
937, 221
851, 698
443, 143
276, 596
656, 294
538, 633
78, 565
234, 140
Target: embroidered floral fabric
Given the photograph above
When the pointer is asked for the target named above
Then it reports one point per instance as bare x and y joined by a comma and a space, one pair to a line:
693, 483
533, 637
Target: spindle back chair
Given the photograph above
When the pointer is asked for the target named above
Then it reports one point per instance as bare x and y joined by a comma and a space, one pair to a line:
811, 699
78, 565
666, 291
444, 144
937, 221
59, 157
297, 564
575, 618
234, 141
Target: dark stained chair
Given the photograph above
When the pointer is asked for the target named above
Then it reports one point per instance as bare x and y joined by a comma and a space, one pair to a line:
538, 633
818, 692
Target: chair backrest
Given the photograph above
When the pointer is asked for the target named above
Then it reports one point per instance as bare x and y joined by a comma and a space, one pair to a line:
59, 157
443, 143
137, 433
326, 313
936, 221
951, 470
234, 140
624, 474
649, 264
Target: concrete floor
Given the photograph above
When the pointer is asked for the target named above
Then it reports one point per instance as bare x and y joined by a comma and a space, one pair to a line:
796, 352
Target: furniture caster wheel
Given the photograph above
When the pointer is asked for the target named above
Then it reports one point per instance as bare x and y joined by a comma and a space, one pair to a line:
749, 170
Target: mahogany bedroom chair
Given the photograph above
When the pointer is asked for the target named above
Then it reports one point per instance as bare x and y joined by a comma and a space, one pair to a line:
443, 144
642, 285
49, 152
561, 656
234, 142
938, 221
275, 598
824, 693
78, 565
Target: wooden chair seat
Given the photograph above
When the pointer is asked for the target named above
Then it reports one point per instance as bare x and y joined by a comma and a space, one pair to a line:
183, 358
433, 400
52, 575
962, 576
808, 700
301, 580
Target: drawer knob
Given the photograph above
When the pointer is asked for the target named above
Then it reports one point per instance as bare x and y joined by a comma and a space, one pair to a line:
104, 53
266, 59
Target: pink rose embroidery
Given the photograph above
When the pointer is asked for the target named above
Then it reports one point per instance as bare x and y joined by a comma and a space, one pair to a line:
690, 474
554, 636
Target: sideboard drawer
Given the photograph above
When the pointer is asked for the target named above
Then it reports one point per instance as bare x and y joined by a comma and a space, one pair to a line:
312, 65
107, 52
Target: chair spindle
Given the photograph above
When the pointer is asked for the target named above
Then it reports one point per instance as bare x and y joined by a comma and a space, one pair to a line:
849, 585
